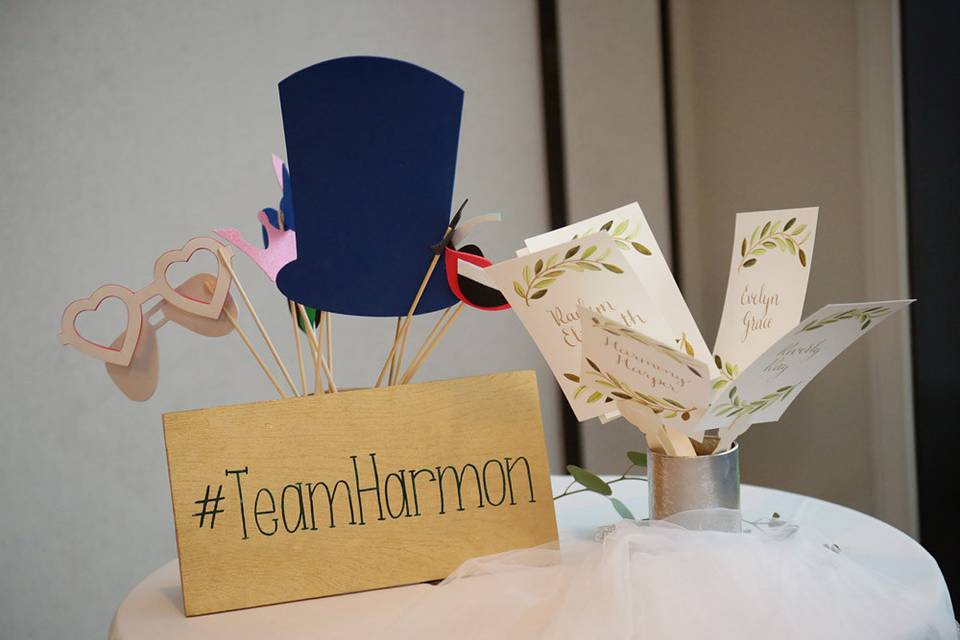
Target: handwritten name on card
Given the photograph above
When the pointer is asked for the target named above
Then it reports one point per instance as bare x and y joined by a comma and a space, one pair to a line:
672, 388
545, 290
633, 236
767, 285
293, 499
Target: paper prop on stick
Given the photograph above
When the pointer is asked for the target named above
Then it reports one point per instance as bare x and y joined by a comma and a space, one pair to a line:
281, 247
372, 147
138, 380
463, 264
546, 288
121, 354
632, 235
132, 360
769, 270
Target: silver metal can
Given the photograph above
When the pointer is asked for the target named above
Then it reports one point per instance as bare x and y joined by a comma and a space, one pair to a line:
684, 484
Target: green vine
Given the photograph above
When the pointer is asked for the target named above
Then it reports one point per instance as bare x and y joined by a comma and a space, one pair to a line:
536, 281
737, 406
770, 236
622, 235
863, 316
728, 371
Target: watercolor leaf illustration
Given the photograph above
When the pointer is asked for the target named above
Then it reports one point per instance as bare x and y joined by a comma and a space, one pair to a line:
624, 237
737, 406
662, 406
537, 280
594, 396
728, 371
864, 316
774, 236
685, 345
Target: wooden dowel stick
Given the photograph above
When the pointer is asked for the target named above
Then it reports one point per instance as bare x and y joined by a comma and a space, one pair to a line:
393, 361
293, 317
406, 321
433, 331
438, 251
296, 339
433, 343
328, 332
256, 319
320, 359
253, 352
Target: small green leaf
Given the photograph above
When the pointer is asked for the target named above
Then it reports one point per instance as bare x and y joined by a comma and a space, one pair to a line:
719, 383
789, 223
526, 274
718, 361
595, 396
543, 284
612, 268
589, 251
606, 226
519, 289
803, 257
743, 248
538, 267
621, 509
637, 457
592, 365
752, 261
642, 249
620, 228
572, 377
766, 228
620, 394
539, 294
589, 480
572, 251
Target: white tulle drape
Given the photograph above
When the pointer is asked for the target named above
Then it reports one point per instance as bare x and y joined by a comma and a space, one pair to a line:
662, 580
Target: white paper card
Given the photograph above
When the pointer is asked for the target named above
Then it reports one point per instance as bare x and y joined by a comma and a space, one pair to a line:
631, 233
545, 288
672, 388
768, 386
767, 285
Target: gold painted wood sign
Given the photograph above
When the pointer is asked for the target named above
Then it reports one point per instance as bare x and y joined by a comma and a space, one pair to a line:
306, 497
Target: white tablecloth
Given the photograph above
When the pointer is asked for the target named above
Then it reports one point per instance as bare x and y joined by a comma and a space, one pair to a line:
153, 609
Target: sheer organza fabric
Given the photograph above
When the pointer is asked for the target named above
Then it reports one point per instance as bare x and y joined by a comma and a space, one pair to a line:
663, 580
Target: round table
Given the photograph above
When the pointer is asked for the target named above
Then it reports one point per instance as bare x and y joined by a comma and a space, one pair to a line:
154, 609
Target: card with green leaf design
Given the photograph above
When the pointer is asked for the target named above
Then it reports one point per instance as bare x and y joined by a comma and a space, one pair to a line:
765, 388
633, 236
635, 369
767, 285
545, 289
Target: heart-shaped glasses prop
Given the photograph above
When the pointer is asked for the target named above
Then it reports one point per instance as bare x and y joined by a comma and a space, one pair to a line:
120, 353
138, 379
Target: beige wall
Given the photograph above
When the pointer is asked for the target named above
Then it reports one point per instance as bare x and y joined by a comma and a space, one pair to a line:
788, 104
615, 144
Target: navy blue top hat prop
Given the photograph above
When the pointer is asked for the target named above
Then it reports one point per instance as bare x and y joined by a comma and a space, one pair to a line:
372, 152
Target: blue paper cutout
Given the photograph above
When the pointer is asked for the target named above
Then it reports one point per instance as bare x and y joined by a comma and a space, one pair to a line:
372, 147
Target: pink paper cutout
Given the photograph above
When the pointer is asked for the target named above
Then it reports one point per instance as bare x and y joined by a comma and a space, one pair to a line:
282, 246
278, 169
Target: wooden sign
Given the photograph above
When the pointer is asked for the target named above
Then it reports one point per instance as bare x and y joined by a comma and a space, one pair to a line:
305, 497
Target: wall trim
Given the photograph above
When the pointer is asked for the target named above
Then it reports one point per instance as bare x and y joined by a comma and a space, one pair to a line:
883, 184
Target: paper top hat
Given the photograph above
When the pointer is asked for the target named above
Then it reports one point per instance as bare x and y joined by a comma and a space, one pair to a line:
372, 152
